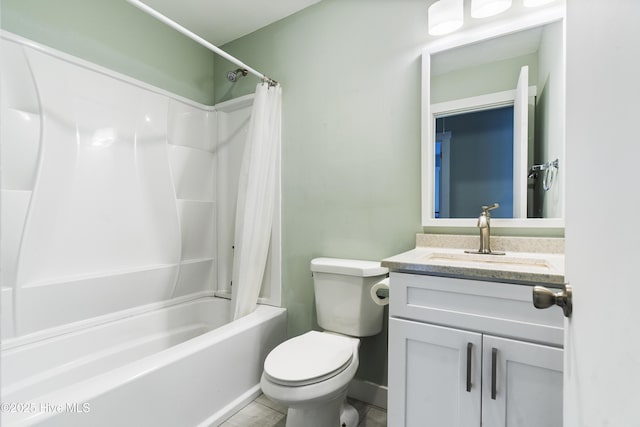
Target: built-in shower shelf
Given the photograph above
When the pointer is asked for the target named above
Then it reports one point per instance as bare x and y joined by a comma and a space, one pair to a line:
24, 114
203, 201
226, 294
23, 193
98, 276
197, 260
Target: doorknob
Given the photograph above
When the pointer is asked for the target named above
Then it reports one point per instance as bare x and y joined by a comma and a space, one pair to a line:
545, 298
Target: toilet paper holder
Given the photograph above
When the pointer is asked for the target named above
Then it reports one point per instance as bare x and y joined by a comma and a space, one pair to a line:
381, 288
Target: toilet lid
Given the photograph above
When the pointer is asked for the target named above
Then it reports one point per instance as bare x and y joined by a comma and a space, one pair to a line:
309, 358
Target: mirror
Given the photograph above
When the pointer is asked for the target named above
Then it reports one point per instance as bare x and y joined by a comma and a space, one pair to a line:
493, 125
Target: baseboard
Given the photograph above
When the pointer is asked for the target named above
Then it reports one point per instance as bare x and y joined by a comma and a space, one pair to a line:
368, 392
223, 414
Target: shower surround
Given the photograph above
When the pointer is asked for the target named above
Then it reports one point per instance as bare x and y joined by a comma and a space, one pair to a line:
117, 201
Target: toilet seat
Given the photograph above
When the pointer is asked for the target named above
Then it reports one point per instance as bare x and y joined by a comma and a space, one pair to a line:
309, 358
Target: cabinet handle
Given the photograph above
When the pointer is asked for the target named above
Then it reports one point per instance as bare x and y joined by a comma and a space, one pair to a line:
494, 363
469, 348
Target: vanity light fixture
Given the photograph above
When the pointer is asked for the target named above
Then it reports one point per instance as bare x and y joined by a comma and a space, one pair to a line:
535, 3
486, 8
445, 16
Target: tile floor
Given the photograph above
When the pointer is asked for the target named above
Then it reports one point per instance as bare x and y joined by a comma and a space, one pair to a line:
263, 412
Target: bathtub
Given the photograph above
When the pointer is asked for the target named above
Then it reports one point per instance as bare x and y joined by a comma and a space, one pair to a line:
176, 366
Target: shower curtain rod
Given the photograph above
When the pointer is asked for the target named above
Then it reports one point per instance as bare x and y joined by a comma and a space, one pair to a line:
160, 17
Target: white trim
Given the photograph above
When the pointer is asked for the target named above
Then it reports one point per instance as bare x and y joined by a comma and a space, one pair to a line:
497, 222
474, 103
368, 392
235, 103
477, 103
428, 150
237, 404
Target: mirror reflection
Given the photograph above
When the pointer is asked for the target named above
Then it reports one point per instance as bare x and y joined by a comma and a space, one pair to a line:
473, 156
496, 109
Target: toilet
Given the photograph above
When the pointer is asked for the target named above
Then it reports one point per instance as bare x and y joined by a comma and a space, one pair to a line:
310, 373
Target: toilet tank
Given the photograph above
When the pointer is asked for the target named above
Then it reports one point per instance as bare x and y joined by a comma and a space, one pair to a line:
342, 289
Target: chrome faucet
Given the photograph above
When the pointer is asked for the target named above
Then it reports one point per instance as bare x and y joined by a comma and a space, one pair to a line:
484, 225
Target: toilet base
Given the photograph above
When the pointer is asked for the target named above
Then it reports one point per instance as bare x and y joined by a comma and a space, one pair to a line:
335, 412
349, 416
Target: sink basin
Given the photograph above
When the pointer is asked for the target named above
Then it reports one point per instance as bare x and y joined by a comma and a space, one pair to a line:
527, 260
488, 261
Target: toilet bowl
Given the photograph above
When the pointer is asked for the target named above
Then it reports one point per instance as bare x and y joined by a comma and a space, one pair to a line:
310, 373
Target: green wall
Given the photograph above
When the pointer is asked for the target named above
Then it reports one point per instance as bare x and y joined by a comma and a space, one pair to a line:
116, 35
350, 72
496, 76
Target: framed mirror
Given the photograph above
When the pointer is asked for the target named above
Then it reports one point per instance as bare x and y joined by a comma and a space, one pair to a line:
493, 124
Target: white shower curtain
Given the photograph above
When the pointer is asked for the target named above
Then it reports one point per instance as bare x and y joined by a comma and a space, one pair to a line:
256, 199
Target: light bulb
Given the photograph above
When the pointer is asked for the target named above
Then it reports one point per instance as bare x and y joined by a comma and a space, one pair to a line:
486, 8
535, 3
445, 16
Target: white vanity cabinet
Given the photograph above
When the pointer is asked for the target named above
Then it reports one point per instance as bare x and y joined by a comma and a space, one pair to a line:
472, 353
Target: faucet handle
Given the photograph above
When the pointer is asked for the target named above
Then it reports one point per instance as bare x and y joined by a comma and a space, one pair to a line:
486, 209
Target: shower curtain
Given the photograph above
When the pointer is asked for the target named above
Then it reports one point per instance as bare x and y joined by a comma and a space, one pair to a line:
256, 199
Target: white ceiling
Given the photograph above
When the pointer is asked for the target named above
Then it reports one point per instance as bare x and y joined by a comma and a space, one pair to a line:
221, 21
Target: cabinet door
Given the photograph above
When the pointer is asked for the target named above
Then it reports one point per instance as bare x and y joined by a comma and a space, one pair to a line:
521, 384
434, 375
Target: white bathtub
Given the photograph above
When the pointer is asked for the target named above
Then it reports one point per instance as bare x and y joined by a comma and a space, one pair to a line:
177, 366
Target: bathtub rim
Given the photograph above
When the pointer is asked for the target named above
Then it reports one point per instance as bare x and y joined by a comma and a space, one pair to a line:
93, 387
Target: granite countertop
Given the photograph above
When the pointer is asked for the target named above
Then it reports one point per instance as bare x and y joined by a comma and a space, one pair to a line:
527, 260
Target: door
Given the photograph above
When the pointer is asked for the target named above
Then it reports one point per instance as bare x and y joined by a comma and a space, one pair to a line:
602, 342
521, 384
434, 373
520, 144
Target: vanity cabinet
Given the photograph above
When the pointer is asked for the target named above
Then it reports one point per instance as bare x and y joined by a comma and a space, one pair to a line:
472, 353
